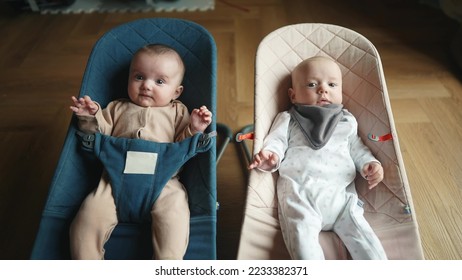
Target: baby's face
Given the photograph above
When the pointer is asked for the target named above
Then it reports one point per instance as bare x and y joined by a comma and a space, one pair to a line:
316, 82
154, 80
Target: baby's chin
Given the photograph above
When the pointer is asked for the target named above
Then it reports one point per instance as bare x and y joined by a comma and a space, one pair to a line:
143, 103
147, 102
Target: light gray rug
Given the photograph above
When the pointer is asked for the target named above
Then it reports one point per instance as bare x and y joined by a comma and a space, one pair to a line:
124, 6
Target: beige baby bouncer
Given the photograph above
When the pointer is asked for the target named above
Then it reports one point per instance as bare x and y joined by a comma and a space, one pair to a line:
388, 207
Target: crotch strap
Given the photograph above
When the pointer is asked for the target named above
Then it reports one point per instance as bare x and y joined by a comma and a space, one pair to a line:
139, 169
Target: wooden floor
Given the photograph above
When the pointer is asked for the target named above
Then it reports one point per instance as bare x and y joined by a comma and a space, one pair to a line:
44, 56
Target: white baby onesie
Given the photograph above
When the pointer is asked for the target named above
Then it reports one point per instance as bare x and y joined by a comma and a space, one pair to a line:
316, 189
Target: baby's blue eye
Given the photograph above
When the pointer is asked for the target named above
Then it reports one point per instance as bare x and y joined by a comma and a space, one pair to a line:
160, 82
332, 84
311, 85
139, 77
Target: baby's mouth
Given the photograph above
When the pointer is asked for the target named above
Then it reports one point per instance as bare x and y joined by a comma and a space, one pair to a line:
144, 95
324, 102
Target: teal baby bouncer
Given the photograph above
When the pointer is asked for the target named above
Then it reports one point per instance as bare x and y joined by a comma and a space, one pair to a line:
80, 165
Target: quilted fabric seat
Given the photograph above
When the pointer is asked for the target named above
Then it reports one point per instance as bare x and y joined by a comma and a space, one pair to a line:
388, 207
77, 173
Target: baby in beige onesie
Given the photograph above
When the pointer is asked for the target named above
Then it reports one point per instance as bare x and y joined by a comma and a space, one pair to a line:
151, 113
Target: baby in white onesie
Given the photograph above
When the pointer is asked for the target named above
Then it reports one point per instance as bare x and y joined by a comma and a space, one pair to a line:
317, 151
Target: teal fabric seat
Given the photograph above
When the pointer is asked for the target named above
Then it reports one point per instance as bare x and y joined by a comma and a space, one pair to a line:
78, 172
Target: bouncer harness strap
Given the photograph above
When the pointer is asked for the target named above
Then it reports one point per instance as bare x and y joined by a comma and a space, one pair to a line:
139, 169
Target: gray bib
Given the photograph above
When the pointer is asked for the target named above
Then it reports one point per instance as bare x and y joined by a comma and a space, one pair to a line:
317, 123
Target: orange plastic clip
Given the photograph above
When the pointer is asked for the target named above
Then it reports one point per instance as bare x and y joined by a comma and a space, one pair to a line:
244, 136
382, 138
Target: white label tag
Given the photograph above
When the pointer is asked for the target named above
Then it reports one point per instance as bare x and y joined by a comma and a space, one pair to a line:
140, 163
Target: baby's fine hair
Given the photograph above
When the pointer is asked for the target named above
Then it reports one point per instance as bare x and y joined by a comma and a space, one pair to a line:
160, 49
315, 58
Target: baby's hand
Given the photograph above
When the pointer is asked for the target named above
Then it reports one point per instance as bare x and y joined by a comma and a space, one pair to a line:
264, 160
200, 119
373, 172
84, 106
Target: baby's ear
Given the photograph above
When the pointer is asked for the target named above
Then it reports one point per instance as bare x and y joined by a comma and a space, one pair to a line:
178, 92
291, 94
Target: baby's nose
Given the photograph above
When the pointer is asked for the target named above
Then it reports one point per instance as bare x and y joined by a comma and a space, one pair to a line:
147, 84
322, 89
